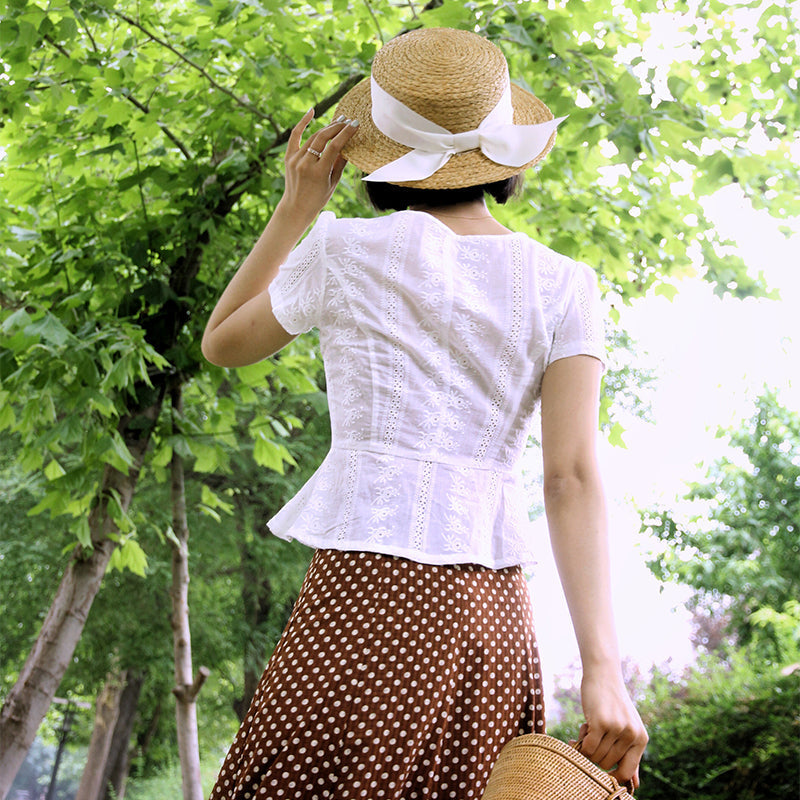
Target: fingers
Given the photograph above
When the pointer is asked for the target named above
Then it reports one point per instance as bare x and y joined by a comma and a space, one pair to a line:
313, 169
613, 736
605, 744
331, 139
615, 747
627, 772
296, 136
610, 749
338, 169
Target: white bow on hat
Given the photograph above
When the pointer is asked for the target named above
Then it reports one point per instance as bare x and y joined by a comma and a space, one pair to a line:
433, 146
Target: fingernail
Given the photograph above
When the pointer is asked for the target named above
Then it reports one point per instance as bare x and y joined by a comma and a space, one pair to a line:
354, 123
340, 118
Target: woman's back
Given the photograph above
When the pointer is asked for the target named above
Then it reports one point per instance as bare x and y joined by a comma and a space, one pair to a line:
434, 346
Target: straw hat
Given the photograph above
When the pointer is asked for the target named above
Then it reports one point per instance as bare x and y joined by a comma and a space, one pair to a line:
453, 78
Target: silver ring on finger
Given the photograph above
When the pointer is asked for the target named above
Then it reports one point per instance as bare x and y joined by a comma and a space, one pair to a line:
315, 152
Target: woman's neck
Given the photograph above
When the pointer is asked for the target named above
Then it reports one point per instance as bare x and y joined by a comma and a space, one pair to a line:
465, 218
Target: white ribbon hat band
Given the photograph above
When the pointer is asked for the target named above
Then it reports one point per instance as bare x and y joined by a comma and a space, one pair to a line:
433, 146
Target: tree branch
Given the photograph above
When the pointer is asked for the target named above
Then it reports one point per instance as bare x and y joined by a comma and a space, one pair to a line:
185, 267
188, 692
141, 190
168, 46
410, 5
57, 46
167, 132
128, 96
375, 20
85, 27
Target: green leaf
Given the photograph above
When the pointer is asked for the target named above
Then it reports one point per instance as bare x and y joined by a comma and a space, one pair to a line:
255, 374
111, 449
23, 234
719, 166
19, 319
667, 290
119, 375
8, 31
54, 470
209, 512
49, 329
205, 457
162, 456
677, 86
7, 416
129, 555
615, 435
66, 29
169, 535
212, 500
83, 532
267, 453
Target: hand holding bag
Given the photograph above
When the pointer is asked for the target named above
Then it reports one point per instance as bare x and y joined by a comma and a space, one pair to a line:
539, 767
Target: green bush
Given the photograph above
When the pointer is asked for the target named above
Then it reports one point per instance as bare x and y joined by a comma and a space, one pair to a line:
728, 731
166, 784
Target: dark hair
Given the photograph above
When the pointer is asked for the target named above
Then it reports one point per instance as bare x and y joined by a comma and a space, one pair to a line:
389, 197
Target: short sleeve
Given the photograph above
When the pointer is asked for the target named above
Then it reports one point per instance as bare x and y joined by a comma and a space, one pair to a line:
581, 329
297, 292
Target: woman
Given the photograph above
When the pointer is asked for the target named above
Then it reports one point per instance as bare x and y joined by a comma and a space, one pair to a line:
410, 658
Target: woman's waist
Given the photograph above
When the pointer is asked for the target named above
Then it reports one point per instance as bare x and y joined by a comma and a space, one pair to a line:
413, 458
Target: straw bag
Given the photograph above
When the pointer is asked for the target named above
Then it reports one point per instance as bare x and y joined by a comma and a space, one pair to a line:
539, 767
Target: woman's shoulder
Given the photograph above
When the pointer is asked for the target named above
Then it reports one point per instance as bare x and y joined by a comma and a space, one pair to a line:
343, 223
552, 261
350, 229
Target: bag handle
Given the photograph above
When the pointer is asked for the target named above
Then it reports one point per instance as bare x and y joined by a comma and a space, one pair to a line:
625, 789
621, 788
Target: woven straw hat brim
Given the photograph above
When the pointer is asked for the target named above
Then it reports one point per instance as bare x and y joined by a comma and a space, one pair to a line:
370, 149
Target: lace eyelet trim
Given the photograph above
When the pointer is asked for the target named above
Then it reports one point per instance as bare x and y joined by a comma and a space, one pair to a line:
590, 332
393, 326
349, 496
510, 348
422, 505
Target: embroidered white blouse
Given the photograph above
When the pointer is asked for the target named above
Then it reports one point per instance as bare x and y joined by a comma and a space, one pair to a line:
434, 347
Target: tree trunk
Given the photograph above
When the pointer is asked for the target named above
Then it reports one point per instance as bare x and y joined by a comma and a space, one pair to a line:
186, 689
118, 764
105, 723
30, 697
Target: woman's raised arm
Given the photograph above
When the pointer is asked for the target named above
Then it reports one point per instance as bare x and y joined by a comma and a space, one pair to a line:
242, 328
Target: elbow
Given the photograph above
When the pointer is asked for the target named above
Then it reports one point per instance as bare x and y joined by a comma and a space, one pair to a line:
570, 484
557, 488
207, 348
226, 348
213, 350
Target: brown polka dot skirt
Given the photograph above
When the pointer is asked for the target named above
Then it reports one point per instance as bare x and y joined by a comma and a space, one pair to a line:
393, 680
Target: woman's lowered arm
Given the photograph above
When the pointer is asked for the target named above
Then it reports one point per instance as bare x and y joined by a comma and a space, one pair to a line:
613, 735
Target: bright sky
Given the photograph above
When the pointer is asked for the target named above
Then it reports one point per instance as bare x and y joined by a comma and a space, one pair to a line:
712, 358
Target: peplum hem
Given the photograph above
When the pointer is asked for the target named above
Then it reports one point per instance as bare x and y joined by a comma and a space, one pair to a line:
457, 513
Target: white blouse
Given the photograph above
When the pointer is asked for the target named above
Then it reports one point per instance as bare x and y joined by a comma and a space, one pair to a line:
434, 347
